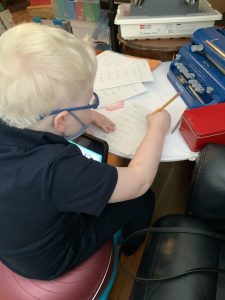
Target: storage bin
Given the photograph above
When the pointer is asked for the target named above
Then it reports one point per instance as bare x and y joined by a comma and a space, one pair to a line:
59, 9
165, 26
82, 10
87, 20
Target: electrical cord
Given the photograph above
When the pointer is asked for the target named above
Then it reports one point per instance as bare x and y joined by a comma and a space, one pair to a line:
203, 232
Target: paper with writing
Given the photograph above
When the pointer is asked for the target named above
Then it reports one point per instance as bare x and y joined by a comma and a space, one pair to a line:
121, 71
110, 96
131, 126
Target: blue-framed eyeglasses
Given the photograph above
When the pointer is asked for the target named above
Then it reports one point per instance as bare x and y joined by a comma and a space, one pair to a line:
93, 104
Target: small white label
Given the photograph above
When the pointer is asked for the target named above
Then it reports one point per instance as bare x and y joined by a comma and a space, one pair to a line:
157, 28
170, 29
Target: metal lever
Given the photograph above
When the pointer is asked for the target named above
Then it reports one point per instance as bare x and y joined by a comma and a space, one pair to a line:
191, 1
138, 2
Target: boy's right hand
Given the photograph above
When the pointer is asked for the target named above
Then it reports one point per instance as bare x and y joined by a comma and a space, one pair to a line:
159, 121
142, 169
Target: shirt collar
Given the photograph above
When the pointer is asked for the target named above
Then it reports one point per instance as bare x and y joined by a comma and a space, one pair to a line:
14, 136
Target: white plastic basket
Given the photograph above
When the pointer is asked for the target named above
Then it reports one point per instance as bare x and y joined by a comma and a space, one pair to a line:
132, 27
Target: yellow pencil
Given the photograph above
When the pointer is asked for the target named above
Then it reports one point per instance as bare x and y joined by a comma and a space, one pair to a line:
166, 104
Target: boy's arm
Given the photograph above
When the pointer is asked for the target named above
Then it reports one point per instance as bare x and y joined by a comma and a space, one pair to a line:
135, 180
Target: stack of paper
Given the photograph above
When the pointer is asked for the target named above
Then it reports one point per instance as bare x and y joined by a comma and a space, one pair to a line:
120, 77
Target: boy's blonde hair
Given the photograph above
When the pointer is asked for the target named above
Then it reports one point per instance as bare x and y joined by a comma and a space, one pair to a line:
41, 69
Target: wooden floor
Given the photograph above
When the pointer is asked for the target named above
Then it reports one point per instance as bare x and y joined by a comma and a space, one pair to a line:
171, 187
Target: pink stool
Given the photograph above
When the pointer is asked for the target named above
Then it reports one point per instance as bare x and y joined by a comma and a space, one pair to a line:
86, 282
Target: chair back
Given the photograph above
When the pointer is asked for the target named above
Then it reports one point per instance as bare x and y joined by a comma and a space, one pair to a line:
207, 199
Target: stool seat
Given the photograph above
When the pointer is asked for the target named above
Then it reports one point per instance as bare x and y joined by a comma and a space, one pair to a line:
85, 282
160, 49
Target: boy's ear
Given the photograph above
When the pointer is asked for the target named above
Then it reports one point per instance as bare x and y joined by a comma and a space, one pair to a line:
60, 121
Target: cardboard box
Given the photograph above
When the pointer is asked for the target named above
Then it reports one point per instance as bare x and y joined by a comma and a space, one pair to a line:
42, 11
218, 5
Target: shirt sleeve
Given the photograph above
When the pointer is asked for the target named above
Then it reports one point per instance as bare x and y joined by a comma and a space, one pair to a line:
79, 184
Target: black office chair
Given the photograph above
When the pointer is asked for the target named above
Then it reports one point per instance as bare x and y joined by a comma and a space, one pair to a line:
198, 258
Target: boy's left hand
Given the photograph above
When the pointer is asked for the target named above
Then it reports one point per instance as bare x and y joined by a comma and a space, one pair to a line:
102, 122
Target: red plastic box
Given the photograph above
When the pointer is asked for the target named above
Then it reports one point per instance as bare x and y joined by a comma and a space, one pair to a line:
203, 125
39, 2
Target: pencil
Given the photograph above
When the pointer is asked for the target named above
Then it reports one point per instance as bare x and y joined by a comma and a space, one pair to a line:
166, 104
176, 125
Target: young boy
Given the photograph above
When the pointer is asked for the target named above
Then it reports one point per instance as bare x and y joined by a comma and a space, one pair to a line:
56, 206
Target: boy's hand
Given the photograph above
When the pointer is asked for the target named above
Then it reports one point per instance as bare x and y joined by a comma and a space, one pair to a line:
102, 122
159, 121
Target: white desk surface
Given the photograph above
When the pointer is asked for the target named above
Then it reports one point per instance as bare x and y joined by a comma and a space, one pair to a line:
158, 92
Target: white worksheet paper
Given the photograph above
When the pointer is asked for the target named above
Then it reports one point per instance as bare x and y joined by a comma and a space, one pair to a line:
110, 58
131, 126
110, 96
118, 74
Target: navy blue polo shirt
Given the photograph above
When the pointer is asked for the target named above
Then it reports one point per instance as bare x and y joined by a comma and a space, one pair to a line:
47, 187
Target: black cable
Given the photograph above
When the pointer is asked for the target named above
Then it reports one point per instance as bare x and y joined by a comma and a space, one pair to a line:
175, 229
185, 273
203, 232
